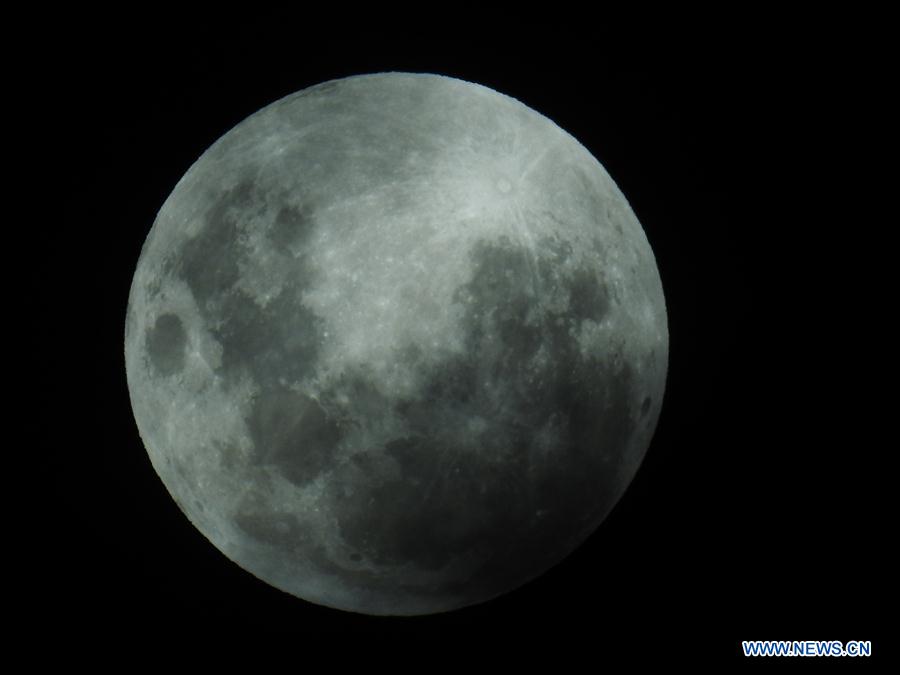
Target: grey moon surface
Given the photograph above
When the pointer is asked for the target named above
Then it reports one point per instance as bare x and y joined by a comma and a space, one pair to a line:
396, 344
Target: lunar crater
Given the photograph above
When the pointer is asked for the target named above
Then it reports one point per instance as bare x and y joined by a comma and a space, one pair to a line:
166, 343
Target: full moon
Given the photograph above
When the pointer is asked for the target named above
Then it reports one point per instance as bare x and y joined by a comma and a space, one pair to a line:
396, 344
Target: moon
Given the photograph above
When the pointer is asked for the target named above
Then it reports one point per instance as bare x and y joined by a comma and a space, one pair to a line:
396, 344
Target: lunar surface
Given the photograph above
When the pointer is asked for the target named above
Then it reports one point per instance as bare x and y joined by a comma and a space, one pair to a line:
396, 344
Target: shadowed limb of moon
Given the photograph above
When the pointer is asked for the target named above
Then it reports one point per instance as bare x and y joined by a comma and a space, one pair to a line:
396, 344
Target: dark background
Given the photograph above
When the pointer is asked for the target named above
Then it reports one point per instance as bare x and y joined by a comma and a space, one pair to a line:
756, 513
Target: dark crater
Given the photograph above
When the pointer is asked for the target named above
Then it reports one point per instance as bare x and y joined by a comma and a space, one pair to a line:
280, 340
166, 342
292, 227
588, 297
209, 262
292, 432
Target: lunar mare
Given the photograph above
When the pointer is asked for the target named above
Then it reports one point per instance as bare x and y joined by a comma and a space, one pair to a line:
396, 344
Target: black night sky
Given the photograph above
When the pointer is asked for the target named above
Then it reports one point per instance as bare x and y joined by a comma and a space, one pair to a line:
756, 513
